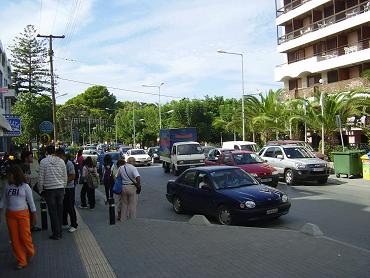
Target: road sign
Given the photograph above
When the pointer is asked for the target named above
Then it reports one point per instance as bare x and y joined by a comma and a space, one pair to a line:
15, 123
45, 139
46, 127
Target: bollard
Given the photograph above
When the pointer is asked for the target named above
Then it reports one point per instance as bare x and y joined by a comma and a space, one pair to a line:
112, 211
44, 215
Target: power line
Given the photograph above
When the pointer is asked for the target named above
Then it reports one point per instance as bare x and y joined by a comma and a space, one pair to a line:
115, 88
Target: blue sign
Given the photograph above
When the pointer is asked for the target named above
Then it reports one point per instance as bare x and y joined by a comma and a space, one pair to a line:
46, 127
15, 123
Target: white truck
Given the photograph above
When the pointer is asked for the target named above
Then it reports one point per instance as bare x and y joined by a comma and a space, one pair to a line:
179, 150
240, 145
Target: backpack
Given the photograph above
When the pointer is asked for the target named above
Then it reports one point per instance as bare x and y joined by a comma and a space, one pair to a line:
92, 179
107, 178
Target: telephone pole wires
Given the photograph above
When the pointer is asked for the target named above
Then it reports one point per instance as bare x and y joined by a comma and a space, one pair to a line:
51, 53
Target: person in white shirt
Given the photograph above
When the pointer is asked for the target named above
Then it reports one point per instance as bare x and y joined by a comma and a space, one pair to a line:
131, 187
16, 198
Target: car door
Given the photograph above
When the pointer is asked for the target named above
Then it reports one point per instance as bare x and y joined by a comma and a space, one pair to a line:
189, 192
204, 193
227, 159
278, 160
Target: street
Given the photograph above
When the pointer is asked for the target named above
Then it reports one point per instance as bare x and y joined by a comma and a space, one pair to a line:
339, 209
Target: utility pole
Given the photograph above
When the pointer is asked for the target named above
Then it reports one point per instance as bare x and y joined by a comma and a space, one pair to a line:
51, 53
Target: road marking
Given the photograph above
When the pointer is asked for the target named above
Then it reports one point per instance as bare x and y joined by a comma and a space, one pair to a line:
95, 263
311, 198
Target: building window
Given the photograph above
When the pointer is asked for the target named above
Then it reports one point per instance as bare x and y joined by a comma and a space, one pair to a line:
293, 84
313, 79
332, 76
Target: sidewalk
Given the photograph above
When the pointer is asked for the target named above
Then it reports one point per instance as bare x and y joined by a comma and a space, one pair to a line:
158, 248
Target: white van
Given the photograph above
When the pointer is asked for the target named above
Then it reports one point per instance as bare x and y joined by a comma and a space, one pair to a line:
240, 145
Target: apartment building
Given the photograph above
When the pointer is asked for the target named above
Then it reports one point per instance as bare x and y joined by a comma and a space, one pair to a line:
326, 45
7, 99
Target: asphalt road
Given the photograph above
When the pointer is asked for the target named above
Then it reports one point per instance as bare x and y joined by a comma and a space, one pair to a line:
342, 212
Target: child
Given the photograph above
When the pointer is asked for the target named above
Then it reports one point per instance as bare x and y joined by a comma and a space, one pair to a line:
16, 196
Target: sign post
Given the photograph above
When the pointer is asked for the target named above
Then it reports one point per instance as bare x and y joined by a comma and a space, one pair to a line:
338, 121
15, 123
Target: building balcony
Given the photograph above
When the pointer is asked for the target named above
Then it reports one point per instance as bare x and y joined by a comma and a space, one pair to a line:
336, 58
339, 22
336, 87
296, 8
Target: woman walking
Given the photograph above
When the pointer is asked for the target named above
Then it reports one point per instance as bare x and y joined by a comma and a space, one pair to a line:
108, 177
131, 187
90, 178
16, 196
117, 196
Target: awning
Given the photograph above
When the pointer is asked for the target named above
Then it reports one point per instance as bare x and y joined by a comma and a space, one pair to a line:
4, 124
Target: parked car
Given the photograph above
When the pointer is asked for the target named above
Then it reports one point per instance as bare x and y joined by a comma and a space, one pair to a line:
215, 153
124, 149
296, 163
207, 149
153, 152
240, 145
141, 157
114, 155
251, 163
90, 152
298, 143
228, 193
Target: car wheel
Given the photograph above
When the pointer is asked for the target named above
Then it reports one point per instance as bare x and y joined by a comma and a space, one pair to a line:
289, 177
174, 171
177, 205
322, 180
224, 215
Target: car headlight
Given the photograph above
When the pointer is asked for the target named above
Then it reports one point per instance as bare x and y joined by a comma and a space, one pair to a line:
201, 161
284, 198
180, 162
300, 165
250, 204
276, 172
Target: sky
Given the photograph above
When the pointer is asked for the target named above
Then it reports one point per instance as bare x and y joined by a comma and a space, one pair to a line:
125, 44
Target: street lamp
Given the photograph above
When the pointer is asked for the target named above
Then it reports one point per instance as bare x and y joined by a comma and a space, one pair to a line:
241, 55
159, 101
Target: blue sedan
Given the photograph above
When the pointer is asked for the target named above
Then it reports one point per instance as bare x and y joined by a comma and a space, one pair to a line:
228, 193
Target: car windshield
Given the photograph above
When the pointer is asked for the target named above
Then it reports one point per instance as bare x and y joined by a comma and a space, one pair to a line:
189, 149
298, 153
232, 178
247, 158
251, 148
134, 152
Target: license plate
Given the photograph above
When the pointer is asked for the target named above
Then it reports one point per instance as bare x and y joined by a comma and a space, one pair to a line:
318, 169
266, 180
271, 211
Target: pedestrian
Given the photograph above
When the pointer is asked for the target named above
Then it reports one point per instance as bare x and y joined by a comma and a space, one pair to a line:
117, 197
26, 163
131, 187
90, 179
69, 195
52, 181
16, 196
80, 162
108, 177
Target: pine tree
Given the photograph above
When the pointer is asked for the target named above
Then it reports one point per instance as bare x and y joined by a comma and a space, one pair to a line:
29, 63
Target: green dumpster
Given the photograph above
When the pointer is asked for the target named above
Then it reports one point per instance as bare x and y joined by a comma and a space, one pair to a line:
348, 163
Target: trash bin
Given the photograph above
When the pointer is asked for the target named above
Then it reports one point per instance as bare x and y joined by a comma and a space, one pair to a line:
365, 166
348, 163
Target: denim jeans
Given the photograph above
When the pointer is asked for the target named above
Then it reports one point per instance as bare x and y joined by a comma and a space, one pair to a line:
54, 200
69, 207
90, 192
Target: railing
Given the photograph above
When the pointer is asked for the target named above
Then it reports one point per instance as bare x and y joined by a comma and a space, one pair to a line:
335, 52
337, 17
291, 6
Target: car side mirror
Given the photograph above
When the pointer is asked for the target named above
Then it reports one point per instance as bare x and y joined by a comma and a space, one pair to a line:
206, 188
280, 156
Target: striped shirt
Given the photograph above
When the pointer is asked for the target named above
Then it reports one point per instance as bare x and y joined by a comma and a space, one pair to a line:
52, 173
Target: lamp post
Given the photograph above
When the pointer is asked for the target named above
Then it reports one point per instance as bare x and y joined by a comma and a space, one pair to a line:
242, 72
322, 103
159, 101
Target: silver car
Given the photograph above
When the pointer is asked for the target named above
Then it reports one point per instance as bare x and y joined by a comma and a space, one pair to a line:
296, 163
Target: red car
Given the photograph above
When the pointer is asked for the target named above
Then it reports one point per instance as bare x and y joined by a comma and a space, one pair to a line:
250, 162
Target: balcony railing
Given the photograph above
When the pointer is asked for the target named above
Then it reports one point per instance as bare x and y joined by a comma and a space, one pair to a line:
291, 6
327, 21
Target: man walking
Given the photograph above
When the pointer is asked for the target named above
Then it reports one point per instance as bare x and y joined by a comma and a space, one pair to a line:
52, 181
69, 196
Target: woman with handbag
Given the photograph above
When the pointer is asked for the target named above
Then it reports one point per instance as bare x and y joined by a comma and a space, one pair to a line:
131, 187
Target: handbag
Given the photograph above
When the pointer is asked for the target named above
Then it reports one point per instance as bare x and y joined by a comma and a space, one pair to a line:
117, 186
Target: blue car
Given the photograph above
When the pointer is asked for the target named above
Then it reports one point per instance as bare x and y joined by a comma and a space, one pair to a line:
228, 193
